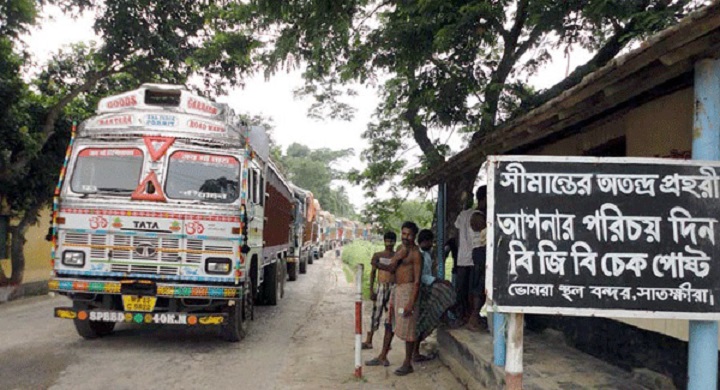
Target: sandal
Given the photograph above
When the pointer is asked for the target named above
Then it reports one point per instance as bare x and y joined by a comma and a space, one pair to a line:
377, 362
423, 358
404, 370
366, 346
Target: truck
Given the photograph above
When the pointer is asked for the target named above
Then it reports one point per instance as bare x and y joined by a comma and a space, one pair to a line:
314, 232
301, 241
327, 234
279, 219
160, 216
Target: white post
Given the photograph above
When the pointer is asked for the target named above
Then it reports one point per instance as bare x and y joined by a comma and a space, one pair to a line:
514, 358
358, 320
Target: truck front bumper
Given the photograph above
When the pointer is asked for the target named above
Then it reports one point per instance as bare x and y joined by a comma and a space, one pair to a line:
101, 315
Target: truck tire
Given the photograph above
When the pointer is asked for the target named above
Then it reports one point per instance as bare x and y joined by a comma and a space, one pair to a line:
282, 277
91, 329
292, 270
270, 288
302, 264
235, 329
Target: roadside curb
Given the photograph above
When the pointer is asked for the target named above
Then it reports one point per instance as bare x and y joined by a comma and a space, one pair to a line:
28, 290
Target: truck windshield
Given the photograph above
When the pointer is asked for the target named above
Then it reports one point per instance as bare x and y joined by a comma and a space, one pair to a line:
204, 177
107, 170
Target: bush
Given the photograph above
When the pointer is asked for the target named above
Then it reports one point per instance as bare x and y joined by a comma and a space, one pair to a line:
360, 252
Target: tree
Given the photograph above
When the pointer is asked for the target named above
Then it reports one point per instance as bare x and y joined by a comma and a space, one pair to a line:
314, 170
142, 41
448, 64
391, 216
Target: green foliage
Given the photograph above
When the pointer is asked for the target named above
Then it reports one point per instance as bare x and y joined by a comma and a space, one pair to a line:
142, 41
361, 252
389, 214
447, 65
313, 170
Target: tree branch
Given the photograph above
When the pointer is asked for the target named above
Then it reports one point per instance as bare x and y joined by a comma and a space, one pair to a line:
499, 77
49, 127
606, 53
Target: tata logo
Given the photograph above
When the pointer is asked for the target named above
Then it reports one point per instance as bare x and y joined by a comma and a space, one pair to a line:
146, 225
145, 249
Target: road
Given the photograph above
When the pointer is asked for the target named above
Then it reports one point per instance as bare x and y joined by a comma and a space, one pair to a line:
306, 342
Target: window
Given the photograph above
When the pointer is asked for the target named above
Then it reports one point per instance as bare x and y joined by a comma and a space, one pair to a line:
107, 171
206, 177
253, 187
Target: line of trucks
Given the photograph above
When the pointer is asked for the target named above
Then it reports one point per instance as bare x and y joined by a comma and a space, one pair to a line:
169, 210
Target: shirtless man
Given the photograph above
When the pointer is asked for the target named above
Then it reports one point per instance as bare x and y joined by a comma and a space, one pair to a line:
381, 296
407, 266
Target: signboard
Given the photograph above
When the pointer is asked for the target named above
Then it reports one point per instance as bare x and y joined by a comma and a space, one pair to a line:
604, 236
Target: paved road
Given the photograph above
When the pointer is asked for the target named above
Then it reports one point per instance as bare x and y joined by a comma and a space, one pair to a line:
303, 343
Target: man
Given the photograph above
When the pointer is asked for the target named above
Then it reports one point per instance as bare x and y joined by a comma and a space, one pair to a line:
471, 261
407, 266
436, 295
385, 280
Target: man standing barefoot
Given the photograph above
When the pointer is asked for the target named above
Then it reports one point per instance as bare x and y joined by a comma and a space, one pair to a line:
407, 265
386, 280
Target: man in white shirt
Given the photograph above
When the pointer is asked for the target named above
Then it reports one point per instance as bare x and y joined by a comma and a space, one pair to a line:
471, 260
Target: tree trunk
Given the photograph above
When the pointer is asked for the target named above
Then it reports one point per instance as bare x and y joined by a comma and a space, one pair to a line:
17, 244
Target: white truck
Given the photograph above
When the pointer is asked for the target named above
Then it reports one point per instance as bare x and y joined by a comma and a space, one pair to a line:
159, 216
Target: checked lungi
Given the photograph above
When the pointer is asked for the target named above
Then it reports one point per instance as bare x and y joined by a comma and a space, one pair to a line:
435, 300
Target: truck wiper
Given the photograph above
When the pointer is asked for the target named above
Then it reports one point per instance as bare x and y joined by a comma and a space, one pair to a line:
113, 190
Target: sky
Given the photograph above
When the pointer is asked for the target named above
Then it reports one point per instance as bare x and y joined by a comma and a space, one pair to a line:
274, 97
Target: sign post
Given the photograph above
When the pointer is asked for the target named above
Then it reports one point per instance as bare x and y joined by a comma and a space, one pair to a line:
703, 337
442, 193
612, 237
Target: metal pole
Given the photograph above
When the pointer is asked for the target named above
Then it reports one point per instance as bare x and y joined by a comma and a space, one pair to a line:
514, 364
499, 330
441, 229
358, 320
703, 343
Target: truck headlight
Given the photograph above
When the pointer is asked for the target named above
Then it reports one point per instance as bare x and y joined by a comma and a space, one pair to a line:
73, 259
214, 265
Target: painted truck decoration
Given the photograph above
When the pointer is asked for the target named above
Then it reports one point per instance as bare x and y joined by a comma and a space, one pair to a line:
162, 215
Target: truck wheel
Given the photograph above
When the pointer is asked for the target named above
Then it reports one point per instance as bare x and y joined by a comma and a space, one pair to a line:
91, 329
293, 270
270, 286
234, 329
249, 304
302, 265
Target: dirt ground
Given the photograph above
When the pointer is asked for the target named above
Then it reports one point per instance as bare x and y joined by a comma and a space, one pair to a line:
306, 342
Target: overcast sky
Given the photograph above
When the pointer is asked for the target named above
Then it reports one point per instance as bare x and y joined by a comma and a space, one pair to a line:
274, 97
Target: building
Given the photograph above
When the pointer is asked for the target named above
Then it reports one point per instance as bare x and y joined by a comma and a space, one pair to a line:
641, 104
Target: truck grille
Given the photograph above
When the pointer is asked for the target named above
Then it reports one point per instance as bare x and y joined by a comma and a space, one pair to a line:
120, 248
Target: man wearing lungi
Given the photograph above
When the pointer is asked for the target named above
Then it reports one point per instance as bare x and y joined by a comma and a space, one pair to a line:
436, 295
407, 266
385, 283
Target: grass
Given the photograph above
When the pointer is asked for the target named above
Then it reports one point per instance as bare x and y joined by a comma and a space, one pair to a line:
360, 252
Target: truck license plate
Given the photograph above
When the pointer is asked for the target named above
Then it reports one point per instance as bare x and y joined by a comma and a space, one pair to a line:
138, 303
